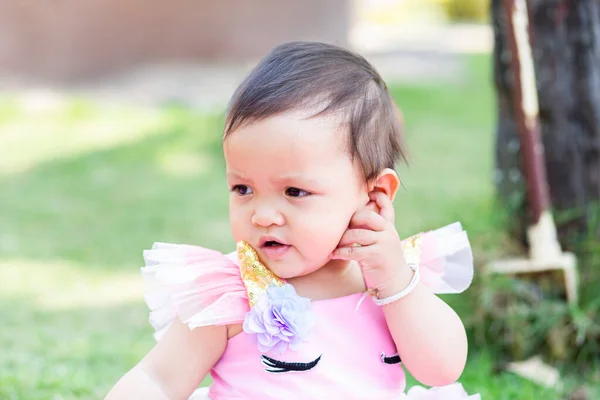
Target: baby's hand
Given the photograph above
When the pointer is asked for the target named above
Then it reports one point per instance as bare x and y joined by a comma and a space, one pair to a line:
380, 250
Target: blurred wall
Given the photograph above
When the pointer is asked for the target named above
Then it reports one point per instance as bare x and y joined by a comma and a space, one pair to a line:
73, 39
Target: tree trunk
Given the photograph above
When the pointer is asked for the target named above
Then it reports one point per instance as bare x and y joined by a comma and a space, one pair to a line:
566, 46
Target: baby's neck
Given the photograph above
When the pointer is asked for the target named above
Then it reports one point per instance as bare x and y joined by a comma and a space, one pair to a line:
337, 278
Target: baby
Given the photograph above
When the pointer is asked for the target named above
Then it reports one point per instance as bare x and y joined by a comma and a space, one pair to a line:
322, 298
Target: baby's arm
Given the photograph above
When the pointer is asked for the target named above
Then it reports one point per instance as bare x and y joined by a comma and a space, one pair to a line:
176, 365
429, 335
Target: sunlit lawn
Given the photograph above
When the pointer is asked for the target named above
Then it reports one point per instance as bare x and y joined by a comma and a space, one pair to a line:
84, 188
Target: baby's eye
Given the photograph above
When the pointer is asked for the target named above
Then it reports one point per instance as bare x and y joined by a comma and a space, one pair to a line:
241, 190
295, 192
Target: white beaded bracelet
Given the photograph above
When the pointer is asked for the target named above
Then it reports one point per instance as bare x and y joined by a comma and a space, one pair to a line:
395, 297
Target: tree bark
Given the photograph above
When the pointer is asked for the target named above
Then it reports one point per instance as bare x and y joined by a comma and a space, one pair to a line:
566, 46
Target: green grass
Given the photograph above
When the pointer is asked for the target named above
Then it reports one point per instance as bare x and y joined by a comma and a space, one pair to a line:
85, 188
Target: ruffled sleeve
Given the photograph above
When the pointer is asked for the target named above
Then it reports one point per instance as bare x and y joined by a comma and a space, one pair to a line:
444, 257
199, 286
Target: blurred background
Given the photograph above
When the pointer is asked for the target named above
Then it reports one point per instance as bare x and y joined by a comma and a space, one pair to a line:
111, 115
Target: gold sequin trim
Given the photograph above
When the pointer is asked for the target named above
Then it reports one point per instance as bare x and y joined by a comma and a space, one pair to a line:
412, 249
256, 276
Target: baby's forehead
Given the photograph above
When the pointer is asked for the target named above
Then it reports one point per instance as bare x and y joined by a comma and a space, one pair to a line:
291, 132
289, 144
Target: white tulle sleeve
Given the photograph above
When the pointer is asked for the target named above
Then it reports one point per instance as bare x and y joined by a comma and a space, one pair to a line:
446, 259
199, 286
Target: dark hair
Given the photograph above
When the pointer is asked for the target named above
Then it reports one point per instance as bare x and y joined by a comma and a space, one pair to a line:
301, 75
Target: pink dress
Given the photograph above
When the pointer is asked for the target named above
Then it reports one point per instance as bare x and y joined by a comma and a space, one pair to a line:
349, 353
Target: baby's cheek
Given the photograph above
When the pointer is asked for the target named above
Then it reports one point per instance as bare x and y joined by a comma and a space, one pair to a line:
238, 225
329, 232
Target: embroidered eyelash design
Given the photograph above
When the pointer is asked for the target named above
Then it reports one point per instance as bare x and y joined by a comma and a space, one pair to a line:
395, 359
276, 366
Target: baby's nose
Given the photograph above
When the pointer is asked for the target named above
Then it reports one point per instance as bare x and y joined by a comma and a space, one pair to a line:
267, 216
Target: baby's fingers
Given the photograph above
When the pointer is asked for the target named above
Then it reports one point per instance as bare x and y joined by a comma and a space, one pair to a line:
348, 253
368, 219
385, 205
364, 237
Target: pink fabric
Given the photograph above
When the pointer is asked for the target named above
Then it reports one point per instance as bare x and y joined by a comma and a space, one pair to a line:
203, 287
350, 350
200, 286
446, 260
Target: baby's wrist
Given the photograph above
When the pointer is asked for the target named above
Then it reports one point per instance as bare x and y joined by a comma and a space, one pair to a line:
397, 283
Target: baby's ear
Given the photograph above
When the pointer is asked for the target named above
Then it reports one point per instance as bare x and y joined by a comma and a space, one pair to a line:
387, 182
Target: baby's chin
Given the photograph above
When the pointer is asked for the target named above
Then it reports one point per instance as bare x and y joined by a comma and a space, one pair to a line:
293, 269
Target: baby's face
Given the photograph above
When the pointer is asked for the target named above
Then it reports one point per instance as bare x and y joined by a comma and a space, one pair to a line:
293, 188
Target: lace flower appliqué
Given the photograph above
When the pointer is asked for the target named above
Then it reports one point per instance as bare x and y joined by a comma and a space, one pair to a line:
279, 319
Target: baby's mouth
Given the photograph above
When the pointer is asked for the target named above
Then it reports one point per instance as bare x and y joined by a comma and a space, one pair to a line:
266, 242
272, 243
273, 249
